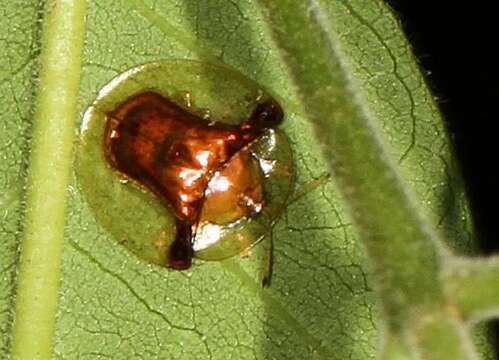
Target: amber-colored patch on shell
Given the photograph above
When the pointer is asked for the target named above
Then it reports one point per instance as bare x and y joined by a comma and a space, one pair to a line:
234, 192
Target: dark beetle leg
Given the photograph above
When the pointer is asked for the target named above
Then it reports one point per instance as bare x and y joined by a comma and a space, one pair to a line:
181, 252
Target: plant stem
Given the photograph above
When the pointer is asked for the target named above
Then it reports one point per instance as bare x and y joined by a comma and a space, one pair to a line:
41, 249
442, 336
398, 237
472, 285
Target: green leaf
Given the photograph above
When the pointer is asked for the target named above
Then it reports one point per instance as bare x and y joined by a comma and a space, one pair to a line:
321, 303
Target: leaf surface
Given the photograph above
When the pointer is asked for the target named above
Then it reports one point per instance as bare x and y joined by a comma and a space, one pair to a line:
321, 303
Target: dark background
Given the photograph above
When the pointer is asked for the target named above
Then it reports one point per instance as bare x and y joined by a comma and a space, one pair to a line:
457, 43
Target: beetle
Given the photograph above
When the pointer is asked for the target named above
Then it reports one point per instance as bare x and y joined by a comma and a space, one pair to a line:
172, 177
203, 171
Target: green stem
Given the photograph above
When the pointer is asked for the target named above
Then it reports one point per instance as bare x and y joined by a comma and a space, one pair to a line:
41, 249
400, 242
472, 285
442, 336
394, 348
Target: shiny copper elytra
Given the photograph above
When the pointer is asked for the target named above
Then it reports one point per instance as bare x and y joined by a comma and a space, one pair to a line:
174, 153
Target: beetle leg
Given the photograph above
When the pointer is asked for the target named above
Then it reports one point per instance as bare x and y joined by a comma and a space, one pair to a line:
308, 187
269, 260
181, 253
